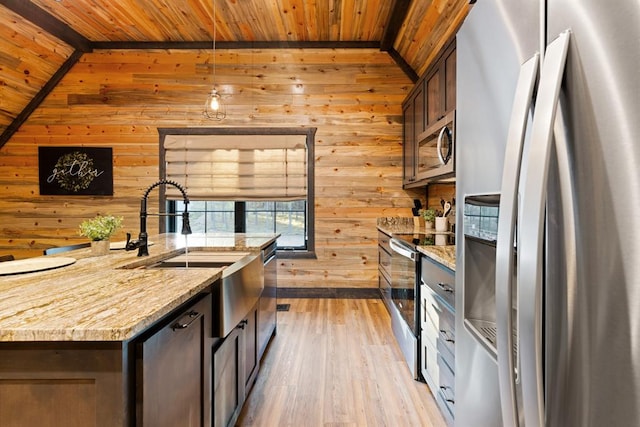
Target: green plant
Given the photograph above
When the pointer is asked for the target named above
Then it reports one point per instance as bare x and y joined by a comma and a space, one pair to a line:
101, 227
429, 215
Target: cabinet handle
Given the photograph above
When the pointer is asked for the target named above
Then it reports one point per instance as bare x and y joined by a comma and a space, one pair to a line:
192, 315
445, 288
243, 323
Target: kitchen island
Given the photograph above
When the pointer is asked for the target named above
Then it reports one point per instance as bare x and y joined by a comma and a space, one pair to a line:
75, 342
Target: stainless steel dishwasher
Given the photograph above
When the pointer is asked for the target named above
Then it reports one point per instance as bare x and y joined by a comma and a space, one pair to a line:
268, 300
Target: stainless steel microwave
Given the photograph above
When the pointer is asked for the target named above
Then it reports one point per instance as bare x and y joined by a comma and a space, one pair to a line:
435, 150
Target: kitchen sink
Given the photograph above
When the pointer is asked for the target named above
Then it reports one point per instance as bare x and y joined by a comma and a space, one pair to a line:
200, 259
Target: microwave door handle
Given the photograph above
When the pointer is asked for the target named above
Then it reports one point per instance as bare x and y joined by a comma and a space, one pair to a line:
444, 131
504, 244
530, 256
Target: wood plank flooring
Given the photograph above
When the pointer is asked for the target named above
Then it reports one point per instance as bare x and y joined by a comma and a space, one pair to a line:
335, 362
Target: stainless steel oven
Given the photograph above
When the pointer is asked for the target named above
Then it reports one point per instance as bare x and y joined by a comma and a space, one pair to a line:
404, 297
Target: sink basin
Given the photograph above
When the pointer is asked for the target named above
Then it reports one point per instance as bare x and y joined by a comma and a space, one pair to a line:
201, 259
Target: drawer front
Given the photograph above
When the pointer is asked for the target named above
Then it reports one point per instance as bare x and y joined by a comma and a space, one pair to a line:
384, 263
440, 379
437, 373
383, 241
446, 396
438, 324
440, 279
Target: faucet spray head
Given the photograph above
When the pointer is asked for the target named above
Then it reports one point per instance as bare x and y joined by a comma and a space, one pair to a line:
186, 227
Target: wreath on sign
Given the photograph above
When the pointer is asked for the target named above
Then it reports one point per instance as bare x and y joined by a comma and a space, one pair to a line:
73, 164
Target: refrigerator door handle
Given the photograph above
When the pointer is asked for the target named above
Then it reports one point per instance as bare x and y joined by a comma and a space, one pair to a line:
530, 272
504, 245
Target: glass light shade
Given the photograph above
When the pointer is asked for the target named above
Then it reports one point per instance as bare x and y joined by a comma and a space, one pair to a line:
214, 108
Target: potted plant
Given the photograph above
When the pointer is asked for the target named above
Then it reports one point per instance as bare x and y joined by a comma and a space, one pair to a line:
429, 216
99, 230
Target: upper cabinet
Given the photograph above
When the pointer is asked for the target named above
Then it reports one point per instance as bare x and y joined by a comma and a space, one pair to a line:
429, 119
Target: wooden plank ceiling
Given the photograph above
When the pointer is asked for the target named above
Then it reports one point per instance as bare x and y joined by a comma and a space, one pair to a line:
41, 39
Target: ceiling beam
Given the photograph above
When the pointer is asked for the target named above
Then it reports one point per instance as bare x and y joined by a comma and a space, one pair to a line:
39, 97
58, 29
397, 16
404, 66
238, 45
44, 20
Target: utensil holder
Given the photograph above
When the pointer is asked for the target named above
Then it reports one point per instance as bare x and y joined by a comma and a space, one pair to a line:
442, 223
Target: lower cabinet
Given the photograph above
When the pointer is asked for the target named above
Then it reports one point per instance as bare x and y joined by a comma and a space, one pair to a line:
235, 367
172, 370
437, 337
384, 268
228, 388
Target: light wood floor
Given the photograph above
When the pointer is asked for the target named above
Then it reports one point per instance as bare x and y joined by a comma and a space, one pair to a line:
335, 362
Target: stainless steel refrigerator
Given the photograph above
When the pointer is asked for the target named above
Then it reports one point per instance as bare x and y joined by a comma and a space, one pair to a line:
548, 184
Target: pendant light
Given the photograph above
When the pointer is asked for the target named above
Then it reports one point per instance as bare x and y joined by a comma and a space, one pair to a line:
214, 108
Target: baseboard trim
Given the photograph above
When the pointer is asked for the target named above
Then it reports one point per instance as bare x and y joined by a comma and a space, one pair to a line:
339, 293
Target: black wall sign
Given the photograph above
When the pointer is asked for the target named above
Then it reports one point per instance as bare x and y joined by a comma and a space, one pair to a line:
75, 171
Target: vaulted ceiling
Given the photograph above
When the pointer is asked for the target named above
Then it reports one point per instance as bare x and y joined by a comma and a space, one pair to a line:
40, 40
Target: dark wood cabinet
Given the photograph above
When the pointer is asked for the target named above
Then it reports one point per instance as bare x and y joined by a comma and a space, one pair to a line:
235, 367
429, 114
440, 83
414, 124
228, 386
173, 368
250, 348
384, 268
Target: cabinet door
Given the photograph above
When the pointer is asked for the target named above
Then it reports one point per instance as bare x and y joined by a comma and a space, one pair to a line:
172, 371
250, 332
449, 66
433, 84
228, 384
408, 144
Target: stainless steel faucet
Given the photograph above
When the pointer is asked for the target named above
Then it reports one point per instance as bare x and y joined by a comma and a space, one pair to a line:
142, 243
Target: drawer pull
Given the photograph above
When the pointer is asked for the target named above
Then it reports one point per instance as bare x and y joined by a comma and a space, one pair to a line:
444, 389
445, 334
192, 315
445, 288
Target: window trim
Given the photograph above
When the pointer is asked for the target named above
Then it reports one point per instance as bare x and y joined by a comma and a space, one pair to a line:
310, 133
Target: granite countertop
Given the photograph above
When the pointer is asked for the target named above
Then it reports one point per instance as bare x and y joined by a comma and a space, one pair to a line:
108, 298
445, 254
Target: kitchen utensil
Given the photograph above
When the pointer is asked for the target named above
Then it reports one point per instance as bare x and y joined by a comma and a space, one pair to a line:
447, 208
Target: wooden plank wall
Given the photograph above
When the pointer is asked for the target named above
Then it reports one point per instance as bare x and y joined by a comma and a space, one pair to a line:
119, 98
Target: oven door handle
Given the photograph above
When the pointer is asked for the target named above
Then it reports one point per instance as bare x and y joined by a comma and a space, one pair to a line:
398, 248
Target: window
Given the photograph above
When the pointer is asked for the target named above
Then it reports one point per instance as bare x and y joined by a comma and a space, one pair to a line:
286, 218
245, 180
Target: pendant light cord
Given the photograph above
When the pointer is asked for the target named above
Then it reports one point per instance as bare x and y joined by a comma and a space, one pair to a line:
214, 44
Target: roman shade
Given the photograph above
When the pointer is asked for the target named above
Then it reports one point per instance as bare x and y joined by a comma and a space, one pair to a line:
237, 167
